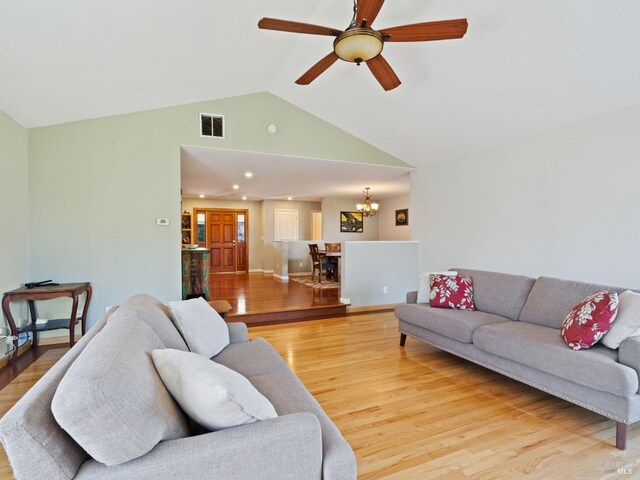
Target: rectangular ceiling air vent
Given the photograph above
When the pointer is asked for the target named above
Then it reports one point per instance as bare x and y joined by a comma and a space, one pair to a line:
211, 125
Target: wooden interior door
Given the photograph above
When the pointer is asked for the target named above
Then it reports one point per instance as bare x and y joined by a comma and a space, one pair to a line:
221, 240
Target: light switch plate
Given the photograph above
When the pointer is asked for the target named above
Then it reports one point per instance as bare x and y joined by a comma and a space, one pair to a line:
163, 222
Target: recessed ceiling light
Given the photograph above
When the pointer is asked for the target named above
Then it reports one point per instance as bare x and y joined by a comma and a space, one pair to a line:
289, 198
248, 174
235, 187
201, 196
272, 129
244, 198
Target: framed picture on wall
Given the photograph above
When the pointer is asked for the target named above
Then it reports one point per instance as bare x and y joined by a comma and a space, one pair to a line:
351, 222
402, 217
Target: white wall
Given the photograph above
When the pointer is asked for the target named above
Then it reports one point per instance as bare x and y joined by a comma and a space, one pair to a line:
291, 258
255, 222
563, 203
331, 208
368, 267
298, 259
14, 220
387, 229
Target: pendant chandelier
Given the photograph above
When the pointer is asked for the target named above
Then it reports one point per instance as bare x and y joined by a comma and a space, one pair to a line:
370, 207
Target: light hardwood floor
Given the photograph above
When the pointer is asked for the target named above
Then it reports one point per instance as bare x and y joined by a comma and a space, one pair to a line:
420, 413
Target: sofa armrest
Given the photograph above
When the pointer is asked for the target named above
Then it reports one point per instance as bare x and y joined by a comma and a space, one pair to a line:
287, 447
238, 332
412, 297
629, 353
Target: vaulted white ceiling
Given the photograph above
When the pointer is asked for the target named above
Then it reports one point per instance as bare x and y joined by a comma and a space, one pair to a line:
524, 66
212, 172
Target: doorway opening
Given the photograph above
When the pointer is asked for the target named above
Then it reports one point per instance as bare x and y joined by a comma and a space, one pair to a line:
225, 233
316, 225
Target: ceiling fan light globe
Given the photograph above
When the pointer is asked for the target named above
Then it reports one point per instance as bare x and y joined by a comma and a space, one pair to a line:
358, 45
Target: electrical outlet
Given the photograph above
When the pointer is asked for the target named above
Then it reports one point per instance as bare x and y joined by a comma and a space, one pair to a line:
384, 290
301, 263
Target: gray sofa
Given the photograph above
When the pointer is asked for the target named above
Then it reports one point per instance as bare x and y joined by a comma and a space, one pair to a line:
516, 331
301, 443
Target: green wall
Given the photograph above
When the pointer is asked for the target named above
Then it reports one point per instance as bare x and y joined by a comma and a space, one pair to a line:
97, 186
14, 237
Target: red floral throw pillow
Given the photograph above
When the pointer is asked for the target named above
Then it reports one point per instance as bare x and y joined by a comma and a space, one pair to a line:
588, 321
451, 292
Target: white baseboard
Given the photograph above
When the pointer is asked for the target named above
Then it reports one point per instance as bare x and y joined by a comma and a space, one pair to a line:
280, 277
300, 274
371, 308
255, 270
346, 301
267, 272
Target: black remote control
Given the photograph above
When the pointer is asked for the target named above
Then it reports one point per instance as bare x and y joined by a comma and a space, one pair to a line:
43, 283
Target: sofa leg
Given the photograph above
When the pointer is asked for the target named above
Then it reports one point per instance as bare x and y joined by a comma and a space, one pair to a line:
621, 435
403, 339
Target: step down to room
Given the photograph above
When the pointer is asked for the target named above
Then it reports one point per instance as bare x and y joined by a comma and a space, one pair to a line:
289, 315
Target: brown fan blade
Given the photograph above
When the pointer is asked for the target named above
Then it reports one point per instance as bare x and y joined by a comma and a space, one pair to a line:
421, 32
367, 12
296, 27
315, 71
383, 73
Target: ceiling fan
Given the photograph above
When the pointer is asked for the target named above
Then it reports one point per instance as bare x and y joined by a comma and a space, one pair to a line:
361, 43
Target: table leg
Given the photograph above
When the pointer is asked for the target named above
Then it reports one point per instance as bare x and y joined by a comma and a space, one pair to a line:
85, 310
33, 311
72, 320
6, 301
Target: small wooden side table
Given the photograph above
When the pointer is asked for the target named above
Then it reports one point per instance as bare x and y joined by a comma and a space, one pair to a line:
31, 295
221, 306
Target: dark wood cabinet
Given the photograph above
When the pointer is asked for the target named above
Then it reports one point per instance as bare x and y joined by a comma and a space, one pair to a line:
195, 273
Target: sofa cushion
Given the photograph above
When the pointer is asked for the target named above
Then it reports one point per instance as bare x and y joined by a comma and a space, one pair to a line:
551, 300
629, 354
156, 315
453, 292
456, 324
213, 395
499, 293
29, 430
288, 395
588, 321
256, 357
627, 322
542, 348
203, 328
111, 400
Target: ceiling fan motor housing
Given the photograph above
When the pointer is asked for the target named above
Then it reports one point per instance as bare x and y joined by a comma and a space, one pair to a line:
358, 45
